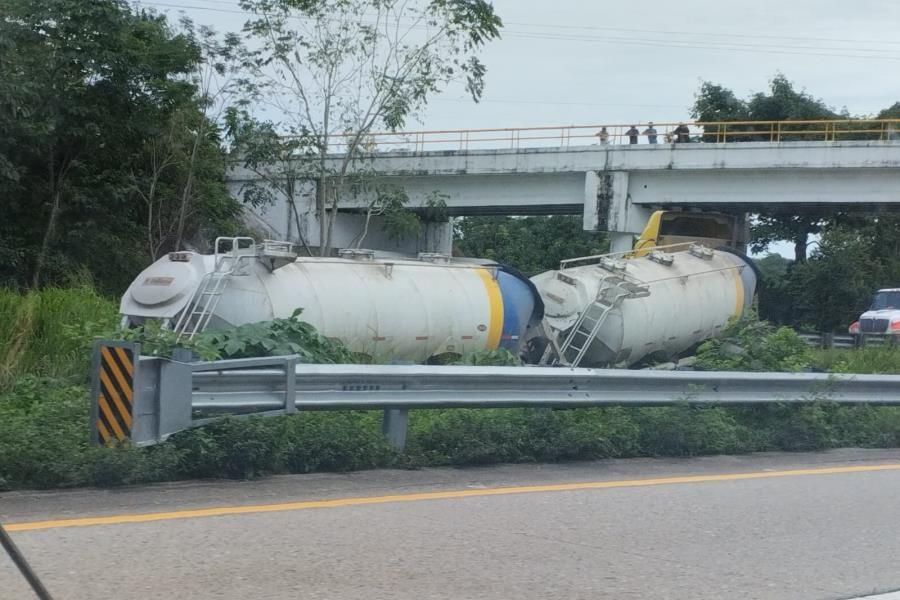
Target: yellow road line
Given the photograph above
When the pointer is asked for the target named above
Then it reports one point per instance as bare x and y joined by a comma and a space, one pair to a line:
442, 495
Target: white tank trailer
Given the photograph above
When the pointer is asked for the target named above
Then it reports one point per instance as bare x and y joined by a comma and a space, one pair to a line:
397, 309
611, 310
599, 310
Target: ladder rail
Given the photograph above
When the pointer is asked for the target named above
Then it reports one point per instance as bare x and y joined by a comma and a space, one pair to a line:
198, 311
204, 315
230, 254
590, 336
182, 323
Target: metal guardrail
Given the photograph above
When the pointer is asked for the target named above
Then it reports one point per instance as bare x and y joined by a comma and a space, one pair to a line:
172, 395
833, 340
826, 130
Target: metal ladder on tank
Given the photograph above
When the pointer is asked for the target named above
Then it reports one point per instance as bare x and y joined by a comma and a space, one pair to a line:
200, 308
592, 318
579, 331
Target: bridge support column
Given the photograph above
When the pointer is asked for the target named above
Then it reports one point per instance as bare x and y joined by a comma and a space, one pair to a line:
624, 219
592, 208
436, 236
620, 242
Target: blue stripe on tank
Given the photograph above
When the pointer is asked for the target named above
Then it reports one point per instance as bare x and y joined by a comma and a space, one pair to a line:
518, 304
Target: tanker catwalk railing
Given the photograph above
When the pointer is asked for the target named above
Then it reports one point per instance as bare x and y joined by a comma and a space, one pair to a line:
171, 396
565, 136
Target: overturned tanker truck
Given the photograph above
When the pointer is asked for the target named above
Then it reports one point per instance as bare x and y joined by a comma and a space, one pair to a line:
593, 311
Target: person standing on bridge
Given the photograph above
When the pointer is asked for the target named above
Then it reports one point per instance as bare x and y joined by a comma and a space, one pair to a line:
650, 132
633, 134
682, 134
603, 135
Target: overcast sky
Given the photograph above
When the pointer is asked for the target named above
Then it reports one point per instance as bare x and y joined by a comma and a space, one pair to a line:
599, 61
588, 62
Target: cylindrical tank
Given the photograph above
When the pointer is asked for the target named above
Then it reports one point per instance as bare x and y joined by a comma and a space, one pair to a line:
399, 309
655, 306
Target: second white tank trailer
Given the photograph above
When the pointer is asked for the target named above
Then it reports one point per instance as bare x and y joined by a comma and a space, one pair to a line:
613, 310
593, 311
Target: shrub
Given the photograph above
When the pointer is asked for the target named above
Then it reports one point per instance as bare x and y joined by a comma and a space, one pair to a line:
278, 337
749, 344
44, 415
333, 441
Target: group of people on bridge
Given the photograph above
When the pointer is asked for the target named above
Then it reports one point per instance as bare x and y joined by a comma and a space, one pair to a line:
679, 135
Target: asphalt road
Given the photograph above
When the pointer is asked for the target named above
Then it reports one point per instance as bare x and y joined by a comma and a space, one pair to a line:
773, 526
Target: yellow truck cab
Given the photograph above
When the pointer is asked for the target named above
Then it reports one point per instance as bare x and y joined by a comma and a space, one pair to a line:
667, 227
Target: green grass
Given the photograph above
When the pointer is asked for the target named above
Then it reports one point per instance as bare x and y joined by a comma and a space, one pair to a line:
871, 359
47, 333
44, 411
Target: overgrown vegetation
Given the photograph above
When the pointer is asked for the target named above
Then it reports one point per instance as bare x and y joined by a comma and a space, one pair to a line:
749, 344
840, 258
47, 333
44, 409
530, 244
108, 157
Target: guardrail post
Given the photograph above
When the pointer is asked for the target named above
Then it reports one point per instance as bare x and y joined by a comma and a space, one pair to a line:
394, 425
290, 385
828, 340
175, 387
861, 340
115, 390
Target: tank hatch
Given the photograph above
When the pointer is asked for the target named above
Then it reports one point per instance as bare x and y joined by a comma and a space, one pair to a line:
561, 296
162, 282
275, 254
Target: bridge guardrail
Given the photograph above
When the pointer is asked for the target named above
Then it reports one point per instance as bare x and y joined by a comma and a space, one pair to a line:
173, 395
826, 130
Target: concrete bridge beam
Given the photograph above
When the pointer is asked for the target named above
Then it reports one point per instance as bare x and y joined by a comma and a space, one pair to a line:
614, 188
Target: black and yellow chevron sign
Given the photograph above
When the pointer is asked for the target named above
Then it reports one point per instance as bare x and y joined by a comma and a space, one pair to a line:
114, 390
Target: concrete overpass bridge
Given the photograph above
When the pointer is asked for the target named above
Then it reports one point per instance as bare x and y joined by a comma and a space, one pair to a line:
615, 186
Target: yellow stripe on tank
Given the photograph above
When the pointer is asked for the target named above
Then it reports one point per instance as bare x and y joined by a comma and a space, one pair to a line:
739, 292
495, 304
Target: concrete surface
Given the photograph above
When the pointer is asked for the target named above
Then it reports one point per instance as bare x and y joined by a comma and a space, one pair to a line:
779, 535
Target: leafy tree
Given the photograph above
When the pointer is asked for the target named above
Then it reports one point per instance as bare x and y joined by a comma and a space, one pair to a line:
774, 289
891, 112
715, 103
84, 88
833, 287
339, 69
531, 244
797, 229
782, 102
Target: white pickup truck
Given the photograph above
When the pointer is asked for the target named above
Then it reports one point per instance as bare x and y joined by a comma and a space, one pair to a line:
883, 317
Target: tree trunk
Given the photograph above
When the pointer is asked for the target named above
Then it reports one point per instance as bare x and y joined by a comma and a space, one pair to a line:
293, 204
320, 213
336, 188
48, 236
800, 244
54, 178
186, 193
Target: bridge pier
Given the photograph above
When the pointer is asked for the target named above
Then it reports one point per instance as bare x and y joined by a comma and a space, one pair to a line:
608, 207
